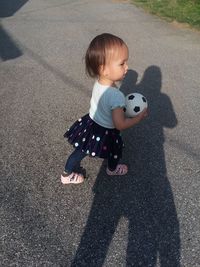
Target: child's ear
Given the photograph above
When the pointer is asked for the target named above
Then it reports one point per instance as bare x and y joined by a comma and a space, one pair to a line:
103, 70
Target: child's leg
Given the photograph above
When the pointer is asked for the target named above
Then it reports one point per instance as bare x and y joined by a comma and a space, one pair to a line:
114, 168
74, 160
112, 163
69, 176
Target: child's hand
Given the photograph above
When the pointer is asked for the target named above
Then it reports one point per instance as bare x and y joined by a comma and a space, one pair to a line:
143, 114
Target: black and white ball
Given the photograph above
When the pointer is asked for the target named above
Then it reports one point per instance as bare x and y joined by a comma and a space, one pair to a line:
135, 103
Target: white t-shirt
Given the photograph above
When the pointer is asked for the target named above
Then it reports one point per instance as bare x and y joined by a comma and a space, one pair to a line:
104, 100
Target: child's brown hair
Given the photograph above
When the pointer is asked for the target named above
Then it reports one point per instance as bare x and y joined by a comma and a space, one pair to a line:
98, 51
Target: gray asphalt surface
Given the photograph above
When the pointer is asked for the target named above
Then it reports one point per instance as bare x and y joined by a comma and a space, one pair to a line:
150, 217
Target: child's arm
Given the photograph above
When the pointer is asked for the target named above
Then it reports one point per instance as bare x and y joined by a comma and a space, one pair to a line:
121, 122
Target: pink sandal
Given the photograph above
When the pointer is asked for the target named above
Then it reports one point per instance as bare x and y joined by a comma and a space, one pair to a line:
72, 178
121, 169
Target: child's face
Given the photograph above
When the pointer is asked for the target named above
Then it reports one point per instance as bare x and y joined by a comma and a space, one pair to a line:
116, 66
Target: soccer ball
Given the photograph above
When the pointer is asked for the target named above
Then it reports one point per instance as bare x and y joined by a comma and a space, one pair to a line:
135, 103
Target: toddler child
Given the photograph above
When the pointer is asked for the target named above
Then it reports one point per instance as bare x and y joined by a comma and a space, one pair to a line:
97, 133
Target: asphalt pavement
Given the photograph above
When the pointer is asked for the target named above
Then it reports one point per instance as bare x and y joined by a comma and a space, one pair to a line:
148, 218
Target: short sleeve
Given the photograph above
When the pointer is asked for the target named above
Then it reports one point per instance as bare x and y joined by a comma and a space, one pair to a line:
116, 99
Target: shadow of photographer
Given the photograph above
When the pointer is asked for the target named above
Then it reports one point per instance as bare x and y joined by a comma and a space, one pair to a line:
144, 196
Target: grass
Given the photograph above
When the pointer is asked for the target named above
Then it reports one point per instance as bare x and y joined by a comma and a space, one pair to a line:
184, 11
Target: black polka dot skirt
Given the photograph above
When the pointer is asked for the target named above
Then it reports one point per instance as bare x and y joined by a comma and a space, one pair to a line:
95, 140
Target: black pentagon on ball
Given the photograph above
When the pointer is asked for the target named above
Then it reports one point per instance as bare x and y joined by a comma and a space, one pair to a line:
124, 109
136, 109
144, 99
131, 97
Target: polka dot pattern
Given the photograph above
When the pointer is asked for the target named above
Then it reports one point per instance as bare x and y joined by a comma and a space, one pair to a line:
95, 140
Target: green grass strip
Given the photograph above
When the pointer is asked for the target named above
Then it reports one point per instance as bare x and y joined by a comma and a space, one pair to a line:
180, 10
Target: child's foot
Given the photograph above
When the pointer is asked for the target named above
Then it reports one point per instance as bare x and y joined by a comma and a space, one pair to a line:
80, 170
121, 169
72, 178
